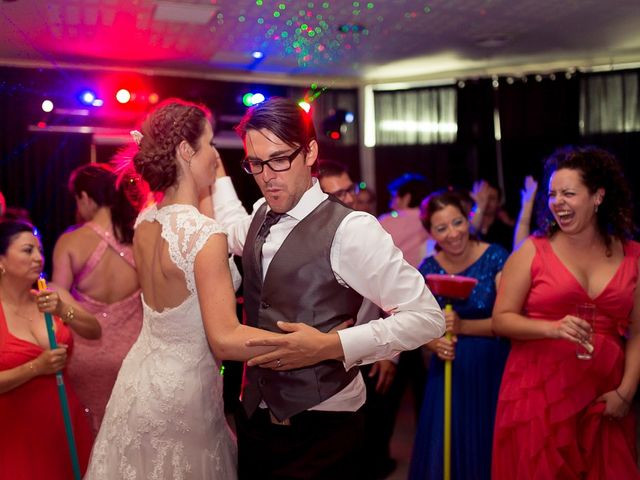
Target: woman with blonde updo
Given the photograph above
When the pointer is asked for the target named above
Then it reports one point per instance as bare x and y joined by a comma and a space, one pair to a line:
165, 417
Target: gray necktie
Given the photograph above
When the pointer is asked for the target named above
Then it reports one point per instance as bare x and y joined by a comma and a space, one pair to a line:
270, 220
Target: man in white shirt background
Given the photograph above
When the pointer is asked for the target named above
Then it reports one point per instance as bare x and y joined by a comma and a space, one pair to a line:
308, 262
380, 409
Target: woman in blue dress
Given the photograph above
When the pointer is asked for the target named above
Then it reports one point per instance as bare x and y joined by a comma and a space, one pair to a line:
478, 356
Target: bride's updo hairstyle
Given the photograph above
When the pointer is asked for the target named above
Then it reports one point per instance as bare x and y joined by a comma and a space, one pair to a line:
169, 124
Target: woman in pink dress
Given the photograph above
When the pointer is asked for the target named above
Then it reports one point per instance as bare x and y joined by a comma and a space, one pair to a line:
559, 416
95, 262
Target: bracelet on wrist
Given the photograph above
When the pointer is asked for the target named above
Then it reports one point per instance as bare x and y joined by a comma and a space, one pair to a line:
628, 402
69, 316
32, 367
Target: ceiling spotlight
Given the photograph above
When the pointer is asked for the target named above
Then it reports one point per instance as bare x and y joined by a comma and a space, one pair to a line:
257, 55
47, 106
304, 105
123, 95
250, 99
87, 97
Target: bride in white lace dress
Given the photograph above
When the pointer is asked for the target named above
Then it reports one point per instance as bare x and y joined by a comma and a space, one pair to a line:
165, 417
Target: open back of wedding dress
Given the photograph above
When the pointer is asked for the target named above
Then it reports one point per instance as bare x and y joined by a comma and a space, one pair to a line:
165, 418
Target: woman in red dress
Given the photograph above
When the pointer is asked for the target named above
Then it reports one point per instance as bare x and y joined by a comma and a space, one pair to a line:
558, 416
32, 436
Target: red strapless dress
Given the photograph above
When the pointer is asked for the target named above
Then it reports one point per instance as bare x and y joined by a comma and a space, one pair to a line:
548, 425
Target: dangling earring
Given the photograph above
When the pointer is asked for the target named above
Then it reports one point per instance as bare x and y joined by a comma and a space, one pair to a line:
596, 208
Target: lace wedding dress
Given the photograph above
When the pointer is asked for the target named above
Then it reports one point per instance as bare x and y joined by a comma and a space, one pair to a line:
165, 417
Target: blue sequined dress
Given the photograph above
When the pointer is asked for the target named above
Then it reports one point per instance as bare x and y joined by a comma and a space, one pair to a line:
477, 371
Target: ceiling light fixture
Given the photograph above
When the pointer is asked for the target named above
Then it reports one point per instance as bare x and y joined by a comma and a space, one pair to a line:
184, 12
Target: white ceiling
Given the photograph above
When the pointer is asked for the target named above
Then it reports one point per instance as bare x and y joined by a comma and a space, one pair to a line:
399, 40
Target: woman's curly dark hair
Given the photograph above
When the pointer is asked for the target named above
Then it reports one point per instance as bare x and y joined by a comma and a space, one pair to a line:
598, 169
170, 123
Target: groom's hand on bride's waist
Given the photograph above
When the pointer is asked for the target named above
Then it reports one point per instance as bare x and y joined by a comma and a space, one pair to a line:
302, 346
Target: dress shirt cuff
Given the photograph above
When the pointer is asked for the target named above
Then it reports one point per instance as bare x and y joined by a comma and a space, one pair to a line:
357, 344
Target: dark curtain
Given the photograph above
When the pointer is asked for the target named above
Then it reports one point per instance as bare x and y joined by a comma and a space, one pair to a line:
536, 117
625, 146
455, 164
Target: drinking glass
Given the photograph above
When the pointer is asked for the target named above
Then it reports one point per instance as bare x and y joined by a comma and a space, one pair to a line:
587, 312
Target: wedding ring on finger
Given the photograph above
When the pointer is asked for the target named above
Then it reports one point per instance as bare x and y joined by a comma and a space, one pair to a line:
278, 363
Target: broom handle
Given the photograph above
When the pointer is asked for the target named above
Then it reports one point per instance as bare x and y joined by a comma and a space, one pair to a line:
62, 394
447, 408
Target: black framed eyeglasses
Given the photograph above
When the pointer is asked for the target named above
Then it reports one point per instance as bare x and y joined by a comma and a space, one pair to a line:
277, 164
343, 192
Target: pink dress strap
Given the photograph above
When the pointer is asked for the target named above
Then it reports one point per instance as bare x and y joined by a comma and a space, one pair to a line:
106, 240
123, 250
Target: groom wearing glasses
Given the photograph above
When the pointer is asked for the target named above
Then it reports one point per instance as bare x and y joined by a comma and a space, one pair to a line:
308, 262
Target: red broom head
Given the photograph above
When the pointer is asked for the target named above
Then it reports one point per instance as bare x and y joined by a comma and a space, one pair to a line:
450, 286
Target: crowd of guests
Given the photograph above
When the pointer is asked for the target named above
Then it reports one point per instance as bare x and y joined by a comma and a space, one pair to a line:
142, 293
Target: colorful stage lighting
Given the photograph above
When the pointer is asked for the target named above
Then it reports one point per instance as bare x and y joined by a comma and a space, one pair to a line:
47, 106
123, 95
87, 97
153, 98
304, 105
251, 99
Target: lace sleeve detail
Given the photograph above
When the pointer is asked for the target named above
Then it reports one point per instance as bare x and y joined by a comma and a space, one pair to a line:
186, 231
146, 215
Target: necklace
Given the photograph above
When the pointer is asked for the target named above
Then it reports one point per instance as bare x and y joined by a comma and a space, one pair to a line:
15, 311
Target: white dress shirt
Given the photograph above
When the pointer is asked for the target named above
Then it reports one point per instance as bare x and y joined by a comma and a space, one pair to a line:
363, 257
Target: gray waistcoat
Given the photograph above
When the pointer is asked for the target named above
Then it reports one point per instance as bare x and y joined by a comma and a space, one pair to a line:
298, 287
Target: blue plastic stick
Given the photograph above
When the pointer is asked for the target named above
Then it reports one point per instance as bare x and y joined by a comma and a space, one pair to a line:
62, 393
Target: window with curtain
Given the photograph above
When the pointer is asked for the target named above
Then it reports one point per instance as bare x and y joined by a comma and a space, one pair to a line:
609, 103
416, 117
